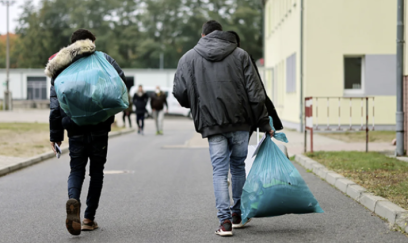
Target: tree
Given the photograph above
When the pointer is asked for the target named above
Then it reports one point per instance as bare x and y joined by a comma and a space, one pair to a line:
134, 32
13, 51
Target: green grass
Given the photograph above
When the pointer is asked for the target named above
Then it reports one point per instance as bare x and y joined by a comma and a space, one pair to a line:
27, 139
116, 128
379, 174
24, 139
373, 136
24, 127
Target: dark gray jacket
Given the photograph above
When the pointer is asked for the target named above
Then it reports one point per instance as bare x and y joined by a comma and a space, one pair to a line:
219, 83
58, 63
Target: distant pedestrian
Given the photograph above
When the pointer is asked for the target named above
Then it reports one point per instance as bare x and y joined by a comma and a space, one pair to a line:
219, 83
158, 101
140, 101
127, 113
90, 141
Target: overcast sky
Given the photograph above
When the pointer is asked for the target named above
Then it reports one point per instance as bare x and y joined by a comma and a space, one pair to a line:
14, 13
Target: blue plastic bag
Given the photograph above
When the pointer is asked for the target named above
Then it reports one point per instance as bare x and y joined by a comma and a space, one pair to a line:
90, 90
274, 186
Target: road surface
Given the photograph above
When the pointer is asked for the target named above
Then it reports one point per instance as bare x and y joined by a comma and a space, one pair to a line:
167, 196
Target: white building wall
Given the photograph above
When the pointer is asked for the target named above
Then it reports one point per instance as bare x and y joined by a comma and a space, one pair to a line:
145, 77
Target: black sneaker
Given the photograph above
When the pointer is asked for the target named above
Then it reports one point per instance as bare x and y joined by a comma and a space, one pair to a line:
237, 221
225, 228
73, 221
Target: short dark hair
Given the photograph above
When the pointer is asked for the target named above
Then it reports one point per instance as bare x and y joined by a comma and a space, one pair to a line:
211, 26
82, 34
236, 36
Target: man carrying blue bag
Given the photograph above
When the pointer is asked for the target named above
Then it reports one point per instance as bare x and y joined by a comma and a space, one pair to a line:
219, 83
81, 102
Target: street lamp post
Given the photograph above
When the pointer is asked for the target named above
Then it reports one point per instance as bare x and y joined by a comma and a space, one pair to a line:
7, 93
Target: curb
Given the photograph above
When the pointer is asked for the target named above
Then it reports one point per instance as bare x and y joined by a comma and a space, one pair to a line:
41, 157
378, 205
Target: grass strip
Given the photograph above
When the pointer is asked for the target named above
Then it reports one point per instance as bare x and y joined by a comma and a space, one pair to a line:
384, 176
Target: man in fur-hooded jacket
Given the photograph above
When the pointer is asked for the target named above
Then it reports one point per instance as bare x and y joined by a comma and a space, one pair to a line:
85, 142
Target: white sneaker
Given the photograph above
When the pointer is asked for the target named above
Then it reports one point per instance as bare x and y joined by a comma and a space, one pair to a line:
225, 229
237, 221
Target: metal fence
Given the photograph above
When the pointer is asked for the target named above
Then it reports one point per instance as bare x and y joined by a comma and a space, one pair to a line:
340, 112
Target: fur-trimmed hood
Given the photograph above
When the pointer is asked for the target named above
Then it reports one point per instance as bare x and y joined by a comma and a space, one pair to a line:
67, 55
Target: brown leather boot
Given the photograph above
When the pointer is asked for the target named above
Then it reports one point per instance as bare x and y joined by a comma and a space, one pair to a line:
89, 225
73, 221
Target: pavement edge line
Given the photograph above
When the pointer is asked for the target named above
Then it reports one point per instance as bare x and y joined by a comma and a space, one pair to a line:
384, 208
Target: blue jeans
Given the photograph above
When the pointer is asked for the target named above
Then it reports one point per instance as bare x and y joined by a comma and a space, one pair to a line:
228, 150
93, 146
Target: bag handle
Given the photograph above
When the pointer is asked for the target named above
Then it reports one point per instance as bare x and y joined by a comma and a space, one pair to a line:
278, 135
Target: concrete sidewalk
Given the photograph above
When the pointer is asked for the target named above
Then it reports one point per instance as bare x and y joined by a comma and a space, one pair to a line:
322, 143
295, 145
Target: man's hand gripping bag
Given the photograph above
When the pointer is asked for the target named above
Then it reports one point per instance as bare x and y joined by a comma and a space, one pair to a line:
274, 186
90, 90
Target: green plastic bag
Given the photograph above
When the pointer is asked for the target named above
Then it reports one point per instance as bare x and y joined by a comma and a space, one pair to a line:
90, 90
274, 186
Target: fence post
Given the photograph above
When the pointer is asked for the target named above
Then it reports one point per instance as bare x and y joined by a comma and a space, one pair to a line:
366, 124
305, 142
328, 114
373, 114
350, 128
305, 130
339, 128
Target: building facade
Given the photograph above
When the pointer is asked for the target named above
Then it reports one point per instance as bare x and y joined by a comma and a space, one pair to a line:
332, 50
31, 88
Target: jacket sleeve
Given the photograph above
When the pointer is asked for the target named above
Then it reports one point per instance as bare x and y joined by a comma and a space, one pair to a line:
277, 123
116, 66
180, 86
256, 95
56, 129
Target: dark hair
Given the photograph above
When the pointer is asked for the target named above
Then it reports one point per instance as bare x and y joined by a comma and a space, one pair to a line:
236, 36
82, 34
210, 26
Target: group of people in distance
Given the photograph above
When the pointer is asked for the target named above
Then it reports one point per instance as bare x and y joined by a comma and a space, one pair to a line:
221, 85
158, 100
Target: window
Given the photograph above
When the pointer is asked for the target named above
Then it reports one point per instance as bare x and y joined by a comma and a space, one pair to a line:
36, 88
353, 73
291, 74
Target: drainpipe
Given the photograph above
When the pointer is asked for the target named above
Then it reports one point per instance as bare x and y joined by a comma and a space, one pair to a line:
263, 52
400, 76
301, 68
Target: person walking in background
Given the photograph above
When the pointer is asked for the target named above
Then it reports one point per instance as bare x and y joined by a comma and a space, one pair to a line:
85, 142
127, 113
219, 83
158, 101
140, 101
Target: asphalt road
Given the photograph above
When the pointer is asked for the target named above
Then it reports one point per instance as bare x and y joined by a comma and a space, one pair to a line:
167, 197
